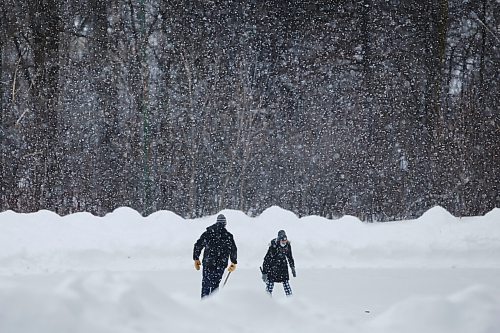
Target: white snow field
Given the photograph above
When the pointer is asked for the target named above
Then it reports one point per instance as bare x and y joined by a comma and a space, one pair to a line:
125, 273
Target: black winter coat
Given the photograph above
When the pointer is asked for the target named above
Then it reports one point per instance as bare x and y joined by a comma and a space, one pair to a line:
275, 262
219, 246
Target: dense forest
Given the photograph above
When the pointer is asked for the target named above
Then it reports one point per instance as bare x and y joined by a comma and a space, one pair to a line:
378, 109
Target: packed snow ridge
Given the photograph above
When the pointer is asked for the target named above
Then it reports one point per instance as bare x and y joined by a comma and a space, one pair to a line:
46, 242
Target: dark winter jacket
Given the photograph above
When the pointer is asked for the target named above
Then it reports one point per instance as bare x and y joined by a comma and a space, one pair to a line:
275, 262
219, 247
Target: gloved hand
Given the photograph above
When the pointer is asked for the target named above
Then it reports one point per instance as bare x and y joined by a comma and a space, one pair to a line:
197, 265
293, 272
231, 267
264, 277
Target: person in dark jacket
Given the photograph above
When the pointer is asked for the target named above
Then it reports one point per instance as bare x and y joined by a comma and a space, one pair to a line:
275, 267
218, 246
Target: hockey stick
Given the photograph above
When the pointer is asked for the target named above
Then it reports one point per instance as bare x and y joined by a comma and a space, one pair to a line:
227, 277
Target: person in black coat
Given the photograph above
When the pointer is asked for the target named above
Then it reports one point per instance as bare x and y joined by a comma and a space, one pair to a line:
275, 267
219, 246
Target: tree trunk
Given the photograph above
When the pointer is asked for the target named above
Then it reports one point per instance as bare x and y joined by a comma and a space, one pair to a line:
43, 138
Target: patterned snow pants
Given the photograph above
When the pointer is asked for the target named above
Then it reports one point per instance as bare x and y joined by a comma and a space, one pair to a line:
286, 286
211, 279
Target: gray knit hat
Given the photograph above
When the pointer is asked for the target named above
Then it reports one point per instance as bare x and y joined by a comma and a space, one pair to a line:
221, 219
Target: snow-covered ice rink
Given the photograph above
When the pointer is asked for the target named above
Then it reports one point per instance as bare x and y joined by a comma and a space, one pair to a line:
126, 273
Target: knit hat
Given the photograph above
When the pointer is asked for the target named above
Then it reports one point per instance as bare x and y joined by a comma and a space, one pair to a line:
221, 219
282, 235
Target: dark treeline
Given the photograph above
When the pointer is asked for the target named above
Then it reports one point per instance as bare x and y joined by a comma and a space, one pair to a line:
378, 109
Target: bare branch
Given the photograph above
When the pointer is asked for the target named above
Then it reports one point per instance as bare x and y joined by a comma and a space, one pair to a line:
14, 80
18, 121
495, 35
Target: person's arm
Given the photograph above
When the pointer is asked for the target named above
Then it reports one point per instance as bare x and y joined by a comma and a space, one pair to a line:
289, 256
198, 246
233, 255
267, 260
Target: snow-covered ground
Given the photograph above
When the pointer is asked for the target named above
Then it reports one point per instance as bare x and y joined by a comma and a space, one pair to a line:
126, 273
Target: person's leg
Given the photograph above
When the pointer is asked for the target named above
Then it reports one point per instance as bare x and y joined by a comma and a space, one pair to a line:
211, 279
206, 282
269, 287
218, 272
288, 289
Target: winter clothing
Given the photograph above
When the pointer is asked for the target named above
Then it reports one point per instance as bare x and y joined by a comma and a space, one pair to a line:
197, 265
275, 267
211, 279
286, 287
218, 247
275, 262
221, 219
282, 235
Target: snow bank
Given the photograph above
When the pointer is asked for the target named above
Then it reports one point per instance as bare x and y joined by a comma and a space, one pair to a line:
46, 242
112, 302
474, 309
